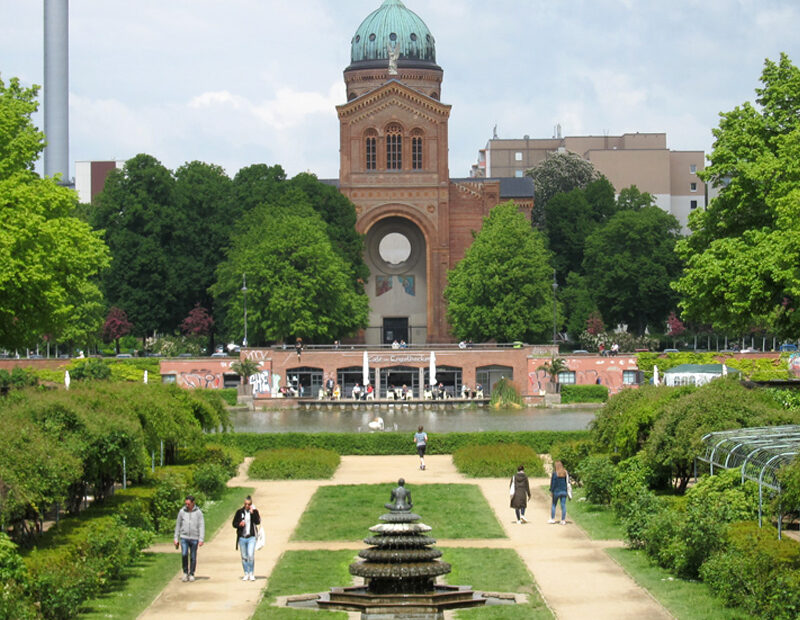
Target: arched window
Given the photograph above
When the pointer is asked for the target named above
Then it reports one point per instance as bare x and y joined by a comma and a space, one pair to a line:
371, 149
394, 147
416, 149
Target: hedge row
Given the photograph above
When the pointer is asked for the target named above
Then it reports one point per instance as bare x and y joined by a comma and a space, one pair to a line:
393, 442
294, 464
584, 394
497, 460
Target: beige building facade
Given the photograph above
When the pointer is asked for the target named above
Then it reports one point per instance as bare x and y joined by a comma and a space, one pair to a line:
640, 159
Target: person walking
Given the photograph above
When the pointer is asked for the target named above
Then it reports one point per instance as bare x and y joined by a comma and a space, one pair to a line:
520, 492
246, 521
421, 441
190, 533
558, 491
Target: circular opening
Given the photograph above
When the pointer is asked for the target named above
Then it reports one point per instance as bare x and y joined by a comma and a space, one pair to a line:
394, 248
358, 38
413, 36
393, 37
372, 37
428, 38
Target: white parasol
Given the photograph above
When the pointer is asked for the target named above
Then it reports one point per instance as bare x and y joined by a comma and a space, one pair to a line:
724, 370
365, 369
432, 369
145, 376
67, 380
655, 375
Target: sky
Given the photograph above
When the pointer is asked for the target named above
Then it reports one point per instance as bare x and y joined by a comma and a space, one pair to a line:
239, 82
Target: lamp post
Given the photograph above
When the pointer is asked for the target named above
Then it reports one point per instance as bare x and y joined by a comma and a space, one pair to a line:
244, 293
555, 286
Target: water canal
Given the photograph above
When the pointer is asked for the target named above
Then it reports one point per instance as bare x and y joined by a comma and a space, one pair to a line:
406, 418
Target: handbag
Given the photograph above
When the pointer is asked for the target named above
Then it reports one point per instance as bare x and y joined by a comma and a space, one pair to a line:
261, 538
511, 489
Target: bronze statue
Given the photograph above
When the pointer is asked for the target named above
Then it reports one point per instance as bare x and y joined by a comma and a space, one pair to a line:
401, 497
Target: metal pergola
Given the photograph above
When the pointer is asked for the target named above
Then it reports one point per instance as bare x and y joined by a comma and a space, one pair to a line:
758, 452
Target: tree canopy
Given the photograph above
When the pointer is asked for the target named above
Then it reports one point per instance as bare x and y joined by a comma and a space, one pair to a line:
50, 258
298, 285
742, 258
502, 288
558, 173
631, 262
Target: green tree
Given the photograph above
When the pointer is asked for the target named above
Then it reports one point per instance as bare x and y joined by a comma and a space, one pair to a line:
501, 289
569, 223
631, 198
576, 298
631, 262
600, 195
136, 212
207, 212
741, 260
558, 173
298, 286
339, 215
257, 184
50, 258
555, 366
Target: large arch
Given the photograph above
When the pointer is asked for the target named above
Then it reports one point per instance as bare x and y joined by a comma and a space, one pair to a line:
397, 250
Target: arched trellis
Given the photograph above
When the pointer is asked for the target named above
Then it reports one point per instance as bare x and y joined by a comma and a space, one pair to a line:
758, 452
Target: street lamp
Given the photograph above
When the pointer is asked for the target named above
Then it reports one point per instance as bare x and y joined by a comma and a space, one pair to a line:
555, 286
244, 292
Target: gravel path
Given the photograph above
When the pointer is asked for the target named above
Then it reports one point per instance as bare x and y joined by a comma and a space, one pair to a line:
577, 579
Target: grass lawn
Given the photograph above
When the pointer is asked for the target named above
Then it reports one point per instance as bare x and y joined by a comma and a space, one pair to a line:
303, 572
452, 510
599, 522
218, 512
495, 570
131, 595
686, 600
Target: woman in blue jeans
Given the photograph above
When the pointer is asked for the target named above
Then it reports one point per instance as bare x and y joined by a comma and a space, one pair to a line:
245, 521
558, 491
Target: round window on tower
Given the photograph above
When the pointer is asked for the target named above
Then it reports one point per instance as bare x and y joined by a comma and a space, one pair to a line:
413, 36
394, 248
358, 38
372, 37
393, 37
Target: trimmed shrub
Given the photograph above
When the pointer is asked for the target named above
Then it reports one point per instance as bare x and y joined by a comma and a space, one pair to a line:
13, 577
92, 369
294, 464
756, 571
584, 394
572, 454
168, 499
136, 513
598, 474
210, 479
230, 396
392, 443
228, 457
497, 461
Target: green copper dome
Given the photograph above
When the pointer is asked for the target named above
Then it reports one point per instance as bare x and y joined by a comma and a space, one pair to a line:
393, 26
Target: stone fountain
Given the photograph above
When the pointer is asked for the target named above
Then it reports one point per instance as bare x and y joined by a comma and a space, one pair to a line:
399, 571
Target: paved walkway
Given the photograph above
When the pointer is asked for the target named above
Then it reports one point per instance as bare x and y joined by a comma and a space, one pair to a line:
576, 577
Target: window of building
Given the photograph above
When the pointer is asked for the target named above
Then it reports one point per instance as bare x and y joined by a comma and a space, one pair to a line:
371, 150
518, 156
518, 173
693, 187
567, 377
394, 147
693, 204
693, 168
630, 377
416, 150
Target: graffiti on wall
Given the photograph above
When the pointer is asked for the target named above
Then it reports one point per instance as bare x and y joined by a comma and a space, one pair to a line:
265, 383
201, 378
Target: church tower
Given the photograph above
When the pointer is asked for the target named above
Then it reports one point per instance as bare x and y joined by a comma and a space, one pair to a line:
417, 222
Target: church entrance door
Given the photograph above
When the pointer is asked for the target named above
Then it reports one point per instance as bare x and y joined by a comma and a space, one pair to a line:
395, 328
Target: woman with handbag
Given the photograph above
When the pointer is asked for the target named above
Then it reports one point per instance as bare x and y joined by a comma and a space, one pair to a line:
246, 521
520, 494
560, 489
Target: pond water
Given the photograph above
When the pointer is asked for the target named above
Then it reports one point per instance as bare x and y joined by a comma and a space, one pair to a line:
406, 418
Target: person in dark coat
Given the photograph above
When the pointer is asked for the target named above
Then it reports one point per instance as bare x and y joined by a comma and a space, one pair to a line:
521, 494
558, 491
245, 521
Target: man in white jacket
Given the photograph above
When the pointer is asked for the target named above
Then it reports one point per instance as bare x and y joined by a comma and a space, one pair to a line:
190, 533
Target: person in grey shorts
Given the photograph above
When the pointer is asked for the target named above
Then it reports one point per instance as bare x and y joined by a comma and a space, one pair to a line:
190, 533
421, 441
